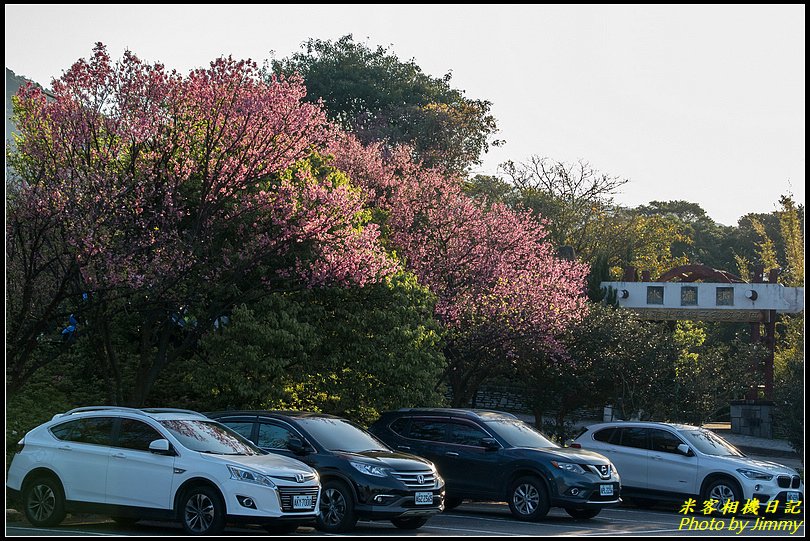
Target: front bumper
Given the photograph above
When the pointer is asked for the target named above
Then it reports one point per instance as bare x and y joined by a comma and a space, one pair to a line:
250, 502
387, 498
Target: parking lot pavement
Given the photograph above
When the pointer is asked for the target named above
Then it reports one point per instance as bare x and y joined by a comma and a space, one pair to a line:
473, 519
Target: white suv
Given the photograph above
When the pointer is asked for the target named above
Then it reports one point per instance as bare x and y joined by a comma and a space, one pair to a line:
157, 463
664, 461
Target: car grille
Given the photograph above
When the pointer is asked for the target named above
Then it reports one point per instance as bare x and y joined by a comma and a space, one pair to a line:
287, 493
602, 470
786, 481
416, 479
304, 477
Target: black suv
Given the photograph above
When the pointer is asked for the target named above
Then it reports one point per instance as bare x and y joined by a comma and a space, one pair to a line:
491, 455
361, 477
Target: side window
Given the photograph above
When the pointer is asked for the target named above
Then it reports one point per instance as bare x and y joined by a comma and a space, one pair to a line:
136, 435
664, 441
96, 430
428, 429
634, 437
466, 434
608, 435
273, 436
242, 427
399, 426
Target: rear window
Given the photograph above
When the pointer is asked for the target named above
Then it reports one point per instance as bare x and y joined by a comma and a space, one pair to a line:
606, 435
427, 429
95, 430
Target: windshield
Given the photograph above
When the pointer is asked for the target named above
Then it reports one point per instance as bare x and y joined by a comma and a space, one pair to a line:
709, 443
210, 437
519, 434
340, 435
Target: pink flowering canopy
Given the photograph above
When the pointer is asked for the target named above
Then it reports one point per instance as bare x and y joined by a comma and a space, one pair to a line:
149, 171
497, 280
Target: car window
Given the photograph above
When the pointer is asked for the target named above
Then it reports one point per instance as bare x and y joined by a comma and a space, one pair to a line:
273, 436
634, 437
709, 443
210, 437
607, 435
400, 426
241, 427
466, 434
340, 435
428, 429
663, 441
95, 430
137, 435
519, 434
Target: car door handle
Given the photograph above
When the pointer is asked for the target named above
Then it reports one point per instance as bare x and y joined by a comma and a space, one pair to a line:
403, 447
65, 447
657, 457
451, 453
118, 455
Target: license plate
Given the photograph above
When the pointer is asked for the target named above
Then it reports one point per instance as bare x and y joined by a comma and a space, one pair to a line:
606, 490
794, 496
424, 498
302, 502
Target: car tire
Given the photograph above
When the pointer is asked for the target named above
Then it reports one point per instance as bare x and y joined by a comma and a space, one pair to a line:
723, 489
202, 511
44, 501
337, 508
409, 523
528, 499
452, 502
583, 513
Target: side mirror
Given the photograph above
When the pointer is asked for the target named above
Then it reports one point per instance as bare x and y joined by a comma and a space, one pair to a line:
490, 444
298, 446
161, 447
684, 449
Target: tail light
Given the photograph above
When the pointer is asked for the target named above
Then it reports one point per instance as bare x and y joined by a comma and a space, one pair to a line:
575, 445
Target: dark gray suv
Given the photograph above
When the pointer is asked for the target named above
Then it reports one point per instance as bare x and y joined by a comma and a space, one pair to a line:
494, 456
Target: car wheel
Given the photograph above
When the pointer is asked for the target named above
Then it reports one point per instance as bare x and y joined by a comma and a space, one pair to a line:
528, 499
452, 503
723, 490
202, 511
44, 501
337, 508
583, 513
409, 523
281, 528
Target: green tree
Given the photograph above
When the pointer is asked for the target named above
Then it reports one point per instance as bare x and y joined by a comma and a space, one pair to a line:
371, 92
353, 352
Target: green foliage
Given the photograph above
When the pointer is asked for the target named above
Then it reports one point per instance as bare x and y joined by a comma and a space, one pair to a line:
353, 352
616, 359
379, 97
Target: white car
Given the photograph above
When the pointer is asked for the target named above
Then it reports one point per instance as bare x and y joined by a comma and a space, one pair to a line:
664, 461
157, 463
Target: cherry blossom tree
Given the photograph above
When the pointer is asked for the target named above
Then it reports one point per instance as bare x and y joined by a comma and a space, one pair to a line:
501, 288
172, 197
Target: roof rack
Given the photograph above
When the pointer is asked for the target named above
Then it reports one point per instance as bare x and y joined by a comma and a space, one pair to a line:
171, 410
142, 411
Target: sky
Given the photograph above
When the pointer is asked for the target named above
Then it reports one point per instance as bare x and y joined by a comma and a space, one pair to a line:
698, 103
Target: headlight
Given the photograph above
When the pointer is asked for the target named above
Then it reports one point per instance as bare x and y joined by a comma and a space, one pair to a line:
568, 466
250, 476
754, 474
439, 480
370, 469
